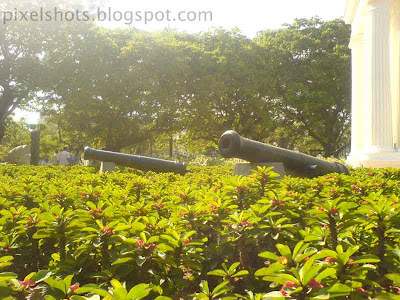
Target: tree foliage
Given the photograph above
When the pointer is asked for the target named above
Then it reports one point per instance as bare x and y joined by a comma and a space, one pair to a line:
124, 88
309, 79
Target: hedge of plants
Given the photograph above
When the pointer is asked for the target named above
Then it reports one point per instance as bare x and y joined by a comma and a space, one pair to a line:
70, 233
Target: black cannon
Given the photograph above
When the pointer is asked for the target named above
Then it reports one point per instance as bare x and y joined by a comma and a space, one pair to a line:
135, 161
232, 145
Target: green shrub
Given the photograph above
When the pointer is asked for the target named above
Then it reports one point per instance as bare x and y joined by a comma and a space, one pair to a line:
70, 233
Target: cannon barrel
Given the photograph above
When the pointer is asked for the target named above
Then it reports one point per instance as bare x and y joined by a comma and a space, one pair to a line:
135, 161
232, 145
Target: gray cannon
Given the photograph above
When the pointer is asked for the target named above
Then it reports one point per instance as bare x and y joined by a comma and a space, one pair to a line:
232, 145
135, 161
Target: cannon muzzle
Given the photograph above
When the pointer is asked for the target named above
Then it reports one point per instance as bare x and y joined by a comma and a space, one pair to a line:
135, 161
232, 145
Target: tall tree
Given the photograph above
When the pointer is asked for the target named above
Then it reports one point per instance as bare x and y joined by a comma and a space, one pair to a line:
225, 88
24, 36
308, 77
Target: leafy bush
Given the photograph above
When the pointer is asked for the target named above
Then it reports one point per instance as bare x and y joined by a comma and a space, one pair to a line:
70, 233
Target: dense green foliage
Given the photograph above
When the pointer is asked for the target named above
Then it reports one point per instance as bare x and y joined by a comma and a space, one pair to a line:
123, 89
70, 233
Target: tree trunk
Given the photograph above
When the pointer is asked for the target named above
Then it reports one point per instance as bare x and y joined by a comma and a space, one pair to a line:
2, 130
171, 146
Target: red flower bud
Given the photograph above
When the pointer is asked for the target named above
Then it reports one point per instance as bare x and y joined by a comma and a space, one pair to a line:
315, 284
246, 224
290, 284
139, 244
108, 231
330, 259
74, 287
28, 283
152, 246
274, 202
283, 260
333, 211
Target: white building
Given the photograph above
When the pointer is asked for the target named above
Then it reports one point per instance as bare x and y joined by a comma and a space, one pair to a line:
375, 45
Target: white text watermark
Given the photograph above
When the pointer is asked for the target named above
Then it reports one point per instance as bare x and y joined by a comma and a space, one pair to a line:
109, 14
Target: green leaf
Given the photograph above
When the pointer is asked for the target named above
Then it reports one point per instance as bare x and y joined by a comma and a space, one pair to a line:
41, 275
343, 258
269, 255
7, 276
122, 260
301, 257
116, 284
274, 296
289, 277
270, 270
339, 290
330, 272
395, 277
284, 250
275, 279
297, 248
325, 253
6, 258
240, 273
42, 234
233, 267
366, 259
99, 291
120, 293
218, 272
220, 289
204, 287
139, 292
309, 274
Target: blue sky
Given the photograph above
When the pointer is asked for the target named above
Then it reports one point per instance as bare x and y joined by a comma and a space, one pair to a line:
250, 16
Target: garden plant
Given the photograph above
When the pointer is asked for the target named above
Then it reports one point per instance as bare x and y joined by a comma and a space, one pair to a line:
71, 233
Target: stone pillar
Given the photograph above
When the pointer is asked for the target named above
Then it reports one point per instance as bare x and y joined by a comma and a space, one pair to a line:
357, 101
107, 167
378, 125
379, 131
395, 63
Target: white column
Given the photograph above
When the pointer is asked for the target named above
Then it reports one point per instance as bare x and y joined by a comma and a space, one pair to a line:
357, 105
395, 62
378, 129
